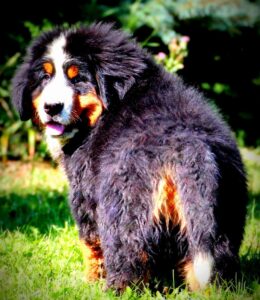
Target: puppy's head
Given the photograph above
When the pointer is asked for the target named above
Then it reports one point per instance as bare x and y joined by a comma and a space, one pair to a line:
69, 78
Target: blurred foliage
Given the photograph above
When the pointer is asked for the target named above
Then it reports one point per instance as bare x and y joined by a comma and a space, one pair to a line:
10, 127
213, 45
177, 52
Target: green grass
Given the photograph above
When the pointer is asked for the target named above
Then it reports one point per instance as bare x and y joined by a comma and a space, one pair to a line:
40, 256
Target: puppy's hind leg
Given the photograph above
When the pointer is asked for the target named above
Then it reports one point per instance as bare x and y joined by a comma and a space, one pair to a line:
196, 176
123, 215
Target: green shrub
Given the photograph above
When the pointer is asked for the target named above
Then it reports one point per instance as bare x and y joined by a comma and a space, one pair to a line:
220, 57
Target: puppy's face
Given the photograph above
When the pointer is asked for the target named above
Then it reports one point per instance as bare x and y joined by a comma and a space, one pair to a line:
68, 76
64, 92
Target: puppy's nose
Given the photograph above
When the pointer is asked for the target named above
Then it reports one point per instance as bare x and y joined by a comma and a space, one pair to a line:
53, 109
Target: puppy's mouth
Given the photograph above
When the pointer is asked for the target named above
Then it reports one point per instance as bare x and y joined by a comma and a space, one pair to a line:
55, 129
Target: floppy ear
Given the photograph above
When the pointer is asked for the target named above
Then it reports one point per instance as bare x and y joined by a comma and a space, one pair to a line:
115, 79
21, 96
119, 61
123, 86
108, 87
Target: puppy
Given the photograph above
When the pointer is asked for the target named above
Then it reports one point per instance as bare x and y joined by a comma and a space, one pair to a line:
156, 179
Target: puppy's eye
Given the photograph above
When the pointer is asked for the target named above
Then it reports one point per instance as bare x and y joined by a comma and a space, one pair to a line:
46, 76
76, 79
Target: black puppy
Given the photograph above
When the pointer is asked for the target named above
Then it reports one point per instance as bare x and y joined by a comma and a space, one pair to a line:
156, 179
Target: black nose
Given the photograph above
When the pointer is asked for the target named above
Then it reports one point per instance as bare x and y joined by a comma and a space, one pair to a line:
53, 109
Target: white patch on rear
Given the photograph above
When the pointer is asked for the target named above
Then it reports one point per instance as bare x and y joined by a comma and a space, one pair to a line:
57, 90
202, 267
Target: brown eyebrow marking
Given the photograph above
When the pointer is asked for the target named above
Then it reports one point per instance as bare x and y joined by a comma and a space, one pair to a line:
72, 71
48, 67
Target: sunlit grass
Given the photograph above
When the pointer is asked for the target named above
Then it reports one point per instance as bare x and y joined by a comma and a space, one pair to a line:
40, 256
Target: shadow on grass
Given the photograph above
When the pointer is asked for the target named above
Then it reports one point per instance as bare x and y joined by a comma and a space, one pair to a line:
250, 258
40, 210
250, 266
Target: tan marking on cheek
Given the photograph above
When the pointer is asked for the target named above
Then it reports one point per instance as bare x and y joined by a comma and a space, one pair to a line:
36, 107
48, 68
72, 71
93, 259
93, 106
36, 102
167, 204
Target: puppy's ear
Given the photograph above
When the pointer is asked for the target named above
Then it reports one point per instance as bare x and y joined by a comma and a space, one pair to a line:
122, 86
115, 85
21, 96
119, 61
108, 87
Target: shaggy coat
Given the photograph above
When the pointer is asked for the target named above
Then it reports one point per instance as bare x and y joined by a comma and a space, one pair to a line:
156, 179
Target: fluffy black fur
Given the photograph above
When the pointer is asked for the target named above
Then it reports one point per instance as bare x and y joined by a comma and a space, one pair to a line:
152, 122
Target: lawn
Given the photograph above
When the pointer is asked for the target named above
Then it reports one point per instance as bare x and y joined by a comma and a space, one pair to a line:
40, 255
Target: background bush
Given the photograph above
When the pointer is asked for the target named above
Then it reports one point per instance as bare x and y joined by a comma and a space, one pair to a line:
220, 54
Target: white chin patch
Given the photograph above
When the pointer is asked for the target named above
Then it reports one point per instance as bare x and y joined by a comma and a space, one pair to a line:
202, 266
55, 142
